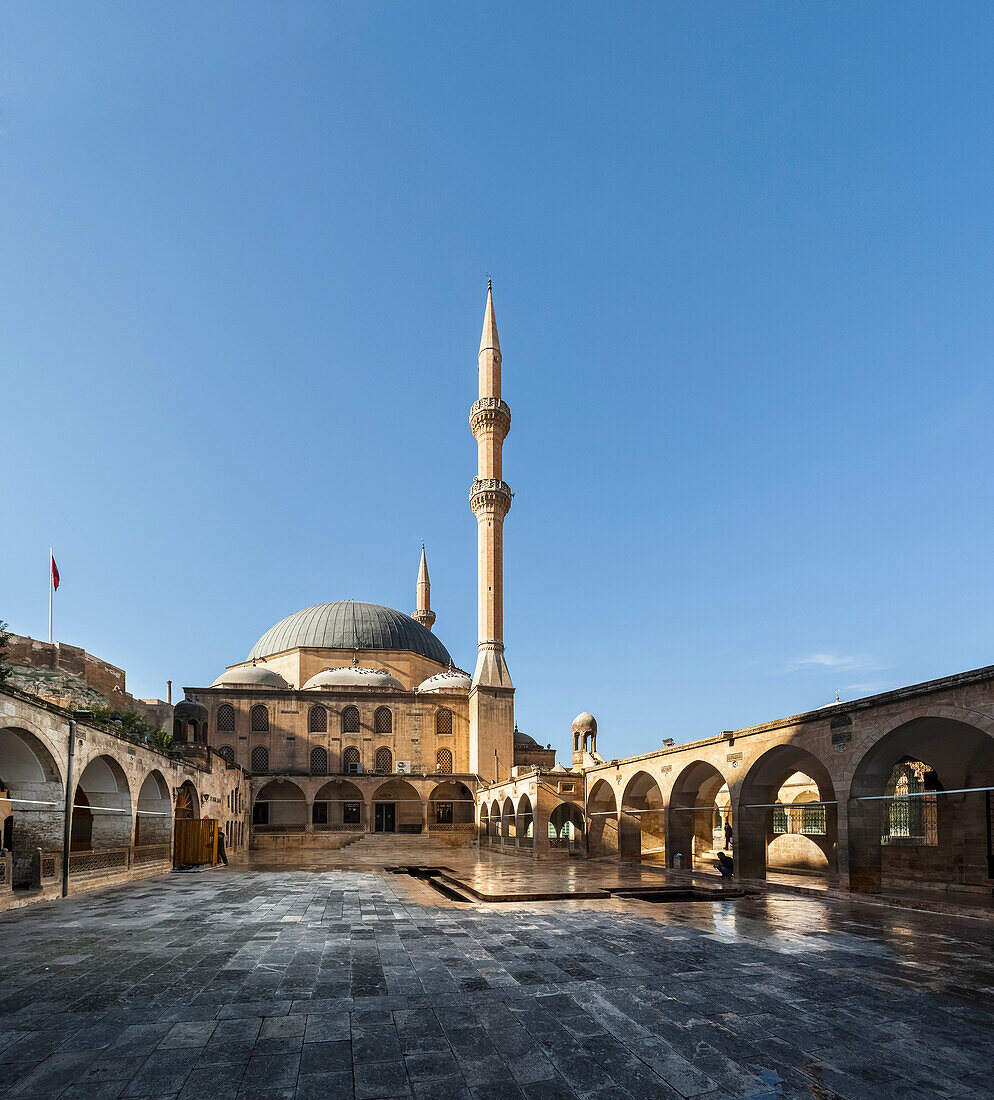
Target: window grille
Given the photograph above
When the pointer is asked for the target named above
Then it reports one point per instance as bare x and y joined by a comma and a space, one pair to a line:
228, 753
319, 761
319, 813
813, 820
779, 819
226, 718
910, 814
383, 721
443, 761
260, 719
352, 760
352, 813
350, 720
443, 721
384, 761
260, 759
260, 813
317, 720
443, 813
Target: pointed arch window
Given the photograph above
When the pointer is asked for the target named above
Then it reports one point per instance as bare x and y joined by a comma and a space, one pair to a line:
443, 722
228, 753
443, 761
350, 720
317, 720
319, 761
260, 760
260, 718
383, 721
384, 761
225, 718
351, 760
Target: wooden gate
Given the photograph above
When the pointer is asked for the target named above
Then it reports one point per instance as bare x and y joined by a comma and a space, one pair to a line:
194, 841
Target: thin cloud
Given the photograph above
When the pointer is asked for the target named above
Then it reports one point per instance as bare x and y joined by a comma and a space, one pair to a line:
835, 662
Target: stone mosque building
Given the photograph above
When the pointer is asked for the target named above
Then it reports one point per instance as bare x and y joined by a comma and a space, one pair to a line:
351, 716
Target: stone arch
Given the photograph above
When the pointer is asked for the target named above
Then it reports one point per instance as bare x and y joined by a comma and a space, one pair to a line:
154, 812
484, 823
566, 828
339, 806
408, 807
450, 803
960, 755
102, 814
602, 816
495, 821
525, 822
760, 838
508, 822
642, 829
187, 804
32, 798
279, 807
690, 815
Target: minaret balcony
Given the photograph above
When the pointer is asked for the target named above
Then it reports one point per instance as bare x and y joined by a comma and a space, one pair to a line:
490, 414
488, 494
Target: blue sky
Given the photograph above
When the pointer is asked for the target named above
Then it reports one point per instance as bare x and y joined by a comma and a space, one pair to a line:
742, 259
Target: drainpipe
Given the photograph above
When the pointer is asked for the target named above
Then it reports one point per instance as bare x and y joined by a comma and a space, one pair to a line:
67, 824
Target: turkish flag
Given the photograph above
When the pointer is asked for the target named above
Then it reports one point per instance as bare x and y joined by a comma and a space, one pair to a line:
55, 574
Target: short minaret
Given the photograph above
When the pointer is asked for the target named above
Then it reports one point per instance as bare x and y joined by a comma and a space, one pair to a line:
491, 695
424, 614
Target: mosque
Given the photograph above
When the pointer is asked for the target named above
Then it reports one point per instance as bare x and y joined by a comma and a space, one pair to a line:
337, 702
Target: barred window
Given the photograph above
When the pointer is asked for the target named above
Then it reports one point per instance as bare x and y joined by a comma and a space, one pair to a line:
228, 753
260, 759
317, 720
443, 721
260, 718
226, 718
351, 759
384, 760
350, 720
779, 819
443, 761
383, 721
319, 762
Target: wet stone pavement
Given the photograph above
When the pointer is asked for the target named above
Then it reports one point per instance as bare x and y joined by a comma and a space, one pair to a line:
291, 983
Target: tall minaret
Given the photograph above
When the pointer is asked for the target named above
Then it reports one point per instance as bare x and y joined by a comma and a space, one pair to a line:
492, 693
424, 614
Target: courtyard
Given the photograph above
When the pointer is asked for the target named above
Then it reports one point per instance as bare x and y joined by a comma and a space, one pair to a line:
278, 977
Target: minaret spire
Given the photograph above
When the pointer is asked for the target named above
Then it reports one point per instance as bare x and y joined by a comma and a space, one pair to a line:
490, 499
424, 614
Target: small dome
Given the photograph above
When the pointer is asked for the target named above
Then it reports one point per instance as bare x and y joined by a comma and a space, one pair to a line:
584, 723
250, 676
189, 708
524, 740
352, 676
452, 679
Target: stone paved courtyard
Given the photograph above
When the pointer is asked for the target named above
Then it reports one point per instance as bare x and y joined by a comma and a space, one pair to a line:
294, 983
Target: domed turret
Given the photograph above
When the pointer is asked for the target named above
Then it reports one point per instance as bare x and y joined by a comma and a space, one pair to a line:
189, 722
584, 738
584, 723
352, 676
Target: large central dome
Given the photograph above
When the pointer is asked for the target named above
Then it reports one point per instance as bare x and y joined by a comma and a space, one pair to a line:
347, 624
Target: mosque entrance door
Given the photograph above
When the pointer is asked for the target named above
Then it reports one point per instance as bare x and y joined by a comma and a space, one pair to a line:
385, 817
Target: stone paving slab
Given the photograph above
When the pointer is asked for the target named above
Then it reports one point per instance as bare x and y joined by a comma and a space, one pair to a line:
293, 983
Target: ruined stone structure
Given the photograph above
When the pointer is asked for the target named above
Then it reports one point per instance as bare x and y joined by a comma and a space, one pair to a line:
125, 799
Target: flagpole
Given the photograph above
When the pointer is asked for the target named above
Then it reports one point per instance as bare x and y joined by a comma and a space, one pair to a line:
51, 558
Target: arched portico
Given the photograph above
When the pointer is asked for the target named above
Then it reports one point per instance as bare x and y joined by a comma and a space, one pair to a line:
691, 815
397, 808
942, 762
339, 807
508, 823
602, 815
566, 829
31, 798
524, 823
102, 811
279, 807
765, 833
484, 824
451, 807
642, 828
153, 817
496, 832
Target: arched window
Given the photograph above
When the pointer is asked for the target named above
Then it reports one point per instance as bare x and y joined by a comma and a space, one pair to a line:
443, 721
352, 760
317, 720
260, 718
443, 761
260, 759
384, 760
383, 721
228, 753
225, 718
319, 762
350, 720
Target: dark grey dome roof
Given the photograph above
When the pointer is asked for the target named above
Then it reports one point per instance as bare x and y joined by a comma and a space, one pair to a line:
348, 624
524, 741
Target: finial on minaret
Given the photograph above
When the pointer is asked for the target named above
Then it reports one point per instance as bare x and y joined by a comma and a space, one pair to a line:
424, 614
489, 341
